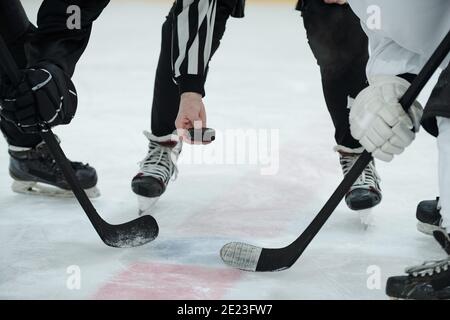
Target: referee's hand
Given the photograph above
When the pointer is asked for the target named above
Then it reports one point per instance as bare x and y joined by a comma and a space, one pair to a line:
192, 114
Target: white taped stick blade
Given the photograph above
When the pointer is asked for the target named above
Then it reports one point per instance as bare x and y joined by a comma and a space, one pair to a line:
427, 228
41, 189
241, 256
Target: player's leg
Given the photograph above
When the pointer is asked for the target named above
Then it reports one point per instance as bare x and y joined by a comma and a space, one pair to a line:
341, 48
437, 117
398, 47
429, 212
444, 180
31, 165
159, 166
432, 279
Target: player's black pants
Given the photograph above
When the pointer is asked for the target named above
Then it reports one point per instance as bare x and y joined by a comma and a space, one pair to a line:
336, 39
51, 41
439, 103
341, 49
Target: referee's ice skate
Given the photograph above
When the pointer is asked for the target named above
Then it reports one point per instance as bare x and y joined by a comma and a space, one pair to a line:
156, 170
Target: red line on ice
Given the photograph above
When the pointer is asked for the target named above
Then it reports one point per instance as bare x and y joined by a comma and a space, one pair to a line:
156, 281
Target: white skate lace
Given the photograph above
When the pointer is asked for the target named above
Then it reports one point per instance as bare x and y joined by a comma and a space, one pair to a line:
428, 268
160, 161
368, 179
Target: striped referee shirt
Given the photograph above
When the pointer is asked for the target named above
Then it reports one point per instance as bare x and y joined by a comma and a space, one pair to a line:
192, 42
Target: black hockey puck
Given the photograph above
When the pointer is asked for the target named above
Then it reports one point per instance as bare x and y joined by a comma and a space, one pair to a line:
204, 135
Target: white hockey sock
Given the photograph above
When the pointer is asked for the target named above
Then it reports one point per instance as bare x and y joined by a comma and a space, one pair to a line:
444, 169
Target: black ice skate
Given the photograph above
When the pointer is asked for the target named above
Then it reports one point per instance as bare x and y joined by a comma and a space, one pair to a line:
430, 281
365, 192
35, 172
156, 170
429, 216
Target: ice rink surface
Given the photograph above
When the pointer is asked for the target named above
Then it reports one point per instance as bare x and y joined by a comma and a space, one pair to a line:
263, 77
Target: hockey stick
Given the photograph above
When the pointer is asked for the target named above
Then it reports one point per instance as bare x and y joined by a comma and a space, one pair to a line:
251, 258
131, 234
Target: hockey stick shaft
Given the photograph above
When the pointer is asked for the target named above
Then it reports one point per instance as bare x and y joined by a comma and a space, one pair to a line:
11, 69
406, 101
252, 258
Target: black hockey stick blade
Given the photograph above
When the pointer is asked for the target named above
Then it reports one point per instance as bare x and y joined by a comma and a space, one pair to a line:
252, 258
131, 234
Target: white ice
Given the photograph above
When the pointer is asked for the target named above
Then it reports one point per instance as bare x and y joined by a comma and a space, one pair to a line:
264, 76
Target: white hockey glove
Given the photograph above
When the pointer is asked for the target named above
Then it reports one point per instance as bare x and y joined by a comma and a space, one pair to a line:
378, 121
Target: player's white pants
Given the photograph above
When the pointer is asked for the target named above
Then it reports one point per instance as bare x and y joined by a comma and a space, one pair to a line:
403, 34
444, 169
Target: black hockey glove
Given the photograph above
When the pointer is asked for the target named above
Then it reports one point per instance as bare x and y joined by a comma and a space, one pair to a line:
45, 97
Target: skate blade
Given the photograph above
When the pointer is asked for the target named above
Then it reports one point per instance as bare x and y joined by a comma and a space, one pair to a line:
427, 229
366, 217
35, 188
146, 205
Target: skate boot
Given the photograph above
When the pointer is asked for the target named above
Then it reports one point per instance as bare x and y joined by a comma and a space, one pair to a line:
35, 172
429, 216
430, 281
365, 192
156, 170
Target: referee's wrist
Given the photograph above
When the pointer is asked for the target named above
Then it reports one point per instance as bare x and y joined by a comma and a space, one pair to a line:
191, 83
